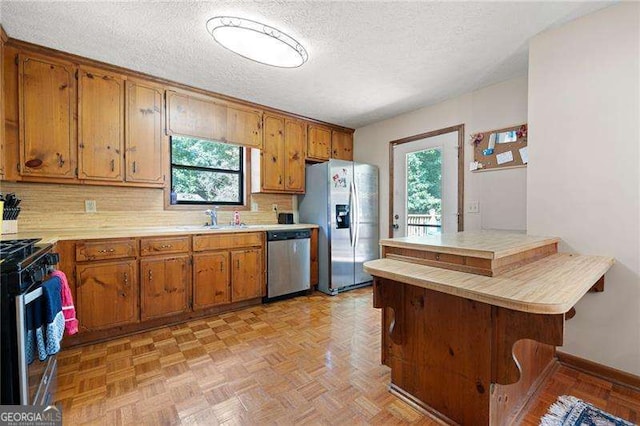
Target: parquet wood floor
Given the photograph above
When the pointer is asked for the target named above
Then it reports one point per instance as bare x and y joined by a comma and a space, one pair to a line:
309, 360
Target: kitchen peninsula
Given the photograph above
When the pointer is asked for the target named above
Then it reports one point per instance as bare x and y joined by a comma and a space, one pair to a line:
471, 320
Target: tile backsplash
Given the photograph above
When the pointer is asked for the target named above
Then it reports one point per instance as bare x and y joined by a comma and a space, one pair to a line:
54, 206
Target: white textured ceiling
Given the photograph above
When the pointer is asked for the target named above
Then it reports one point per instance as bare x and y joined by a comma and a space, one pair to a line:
368, 60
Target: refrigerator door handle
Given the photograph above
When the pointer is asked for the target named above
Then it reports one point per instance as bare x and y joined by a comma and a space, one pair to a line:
352, 190
356, 214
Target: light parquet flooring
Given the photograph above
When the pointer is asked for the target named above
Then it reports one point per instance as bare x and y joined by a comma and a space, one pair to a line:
309, 360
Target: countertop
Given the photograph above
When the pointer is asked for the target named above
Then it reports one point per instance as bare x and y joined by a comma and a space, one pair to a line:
101, 233
552, 285
482, 244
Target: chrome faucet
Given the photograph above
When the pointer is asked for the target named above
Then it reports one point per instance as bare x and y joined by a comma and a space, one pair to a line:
213, 214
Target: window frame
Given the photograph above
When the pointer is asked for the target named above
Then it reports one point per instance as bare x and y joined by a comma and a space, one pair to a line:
243, 176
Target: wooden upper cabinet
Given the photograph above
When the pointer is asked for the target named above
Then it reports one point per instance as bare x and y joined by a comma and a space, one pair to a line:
143, 132
318, 142
342, 145
295, 138
244, 127
197, 117
47, 100
273, 154
100, 125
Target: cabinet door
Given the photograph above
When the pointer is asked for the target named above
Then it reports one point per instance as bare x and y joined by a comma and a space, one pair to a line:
143, 133
318, 142
273, 154
244, 127
107, 294
246, 274
100, 125
197, 117
164, 285
47, 101
342, 145
210, 279
295, 136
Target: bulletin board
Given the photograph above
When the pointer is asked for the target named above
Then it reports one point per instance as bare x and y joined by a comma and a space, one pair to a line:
500, 149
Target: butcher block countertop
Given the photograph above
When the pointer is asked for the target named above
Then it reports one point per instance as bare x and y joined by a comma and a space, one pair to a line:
102, 233
481, 244
552, 285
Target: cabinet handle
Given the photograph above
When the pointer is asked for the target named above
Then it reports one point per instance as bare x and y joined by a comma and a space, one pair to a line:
238, 264
280, 180
164, 246
60, 160
150, 275
126, 279
221, 270
113, 165
134, 167
107, 251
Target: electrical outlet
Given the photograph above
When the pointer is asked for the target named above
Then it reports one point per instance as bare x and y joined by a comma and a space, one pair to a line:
473, 207
274, 207
90, 206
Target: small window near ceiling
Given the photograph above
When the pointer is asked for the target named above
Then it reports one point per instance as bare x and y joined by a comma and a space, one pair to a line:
206, 172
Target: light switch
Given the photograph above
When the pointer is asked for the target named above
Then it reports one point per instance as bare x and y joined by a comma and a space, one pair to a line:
473, 207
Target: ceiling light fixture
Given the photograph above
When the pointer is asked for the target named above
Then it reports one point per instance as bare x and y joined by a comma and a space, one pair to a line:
258, 42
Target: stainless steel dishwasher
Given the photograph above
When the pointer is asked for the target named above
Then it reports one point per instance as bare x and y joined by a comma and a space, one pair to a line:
288, 262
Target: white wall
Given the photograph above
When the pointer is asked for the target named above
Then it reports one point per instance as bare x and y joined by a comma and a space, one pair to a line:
502, 194
583, 176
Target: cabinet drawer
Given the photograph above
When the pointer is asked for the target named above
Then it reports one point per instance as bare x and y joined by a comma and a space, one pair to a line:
106, 249
165, 245
225, 241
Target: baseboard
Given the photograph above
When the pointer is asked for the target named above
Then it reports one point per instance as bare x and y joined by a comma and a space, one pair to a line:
598, 370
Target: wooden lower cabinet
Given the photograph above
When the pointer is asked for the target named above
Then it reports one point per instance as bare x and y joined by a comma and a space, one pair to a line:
246, 274
107, 294
211, 279
165, 286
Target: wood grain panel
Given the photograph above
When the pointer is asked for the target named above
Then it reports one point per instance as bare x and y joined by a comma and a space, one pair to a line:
108, 294
318, 142
244, 127
246, 274
227, 241
342, 145
107, 249
120, 207
273, 155
211, 279
47, 99
295, 136
100, 125
164, 285
164, 245
143, 131
189, 115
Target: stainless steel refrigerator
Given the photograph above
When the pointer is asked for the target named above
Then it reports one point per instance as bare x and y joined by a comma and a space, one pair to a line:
342, 198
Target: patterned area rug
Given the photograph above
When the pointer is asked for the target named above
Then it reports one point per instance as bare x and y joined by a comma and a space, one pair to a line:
570, 411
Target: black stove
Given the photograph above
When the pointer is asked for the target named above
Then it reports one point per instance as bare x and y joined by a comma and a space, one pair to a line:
24, 266
24, 262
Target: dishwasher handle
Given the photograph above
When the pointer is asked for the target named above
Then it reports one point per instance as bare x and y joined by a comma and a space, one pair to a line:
299, 234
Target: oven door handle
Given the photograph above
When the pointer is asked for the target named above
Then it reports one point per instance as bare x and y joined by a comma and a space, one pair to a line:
21, 322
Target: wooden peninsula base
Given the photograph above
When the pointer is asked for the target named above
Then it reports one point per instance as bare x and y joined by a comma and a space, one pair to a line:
472, 349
